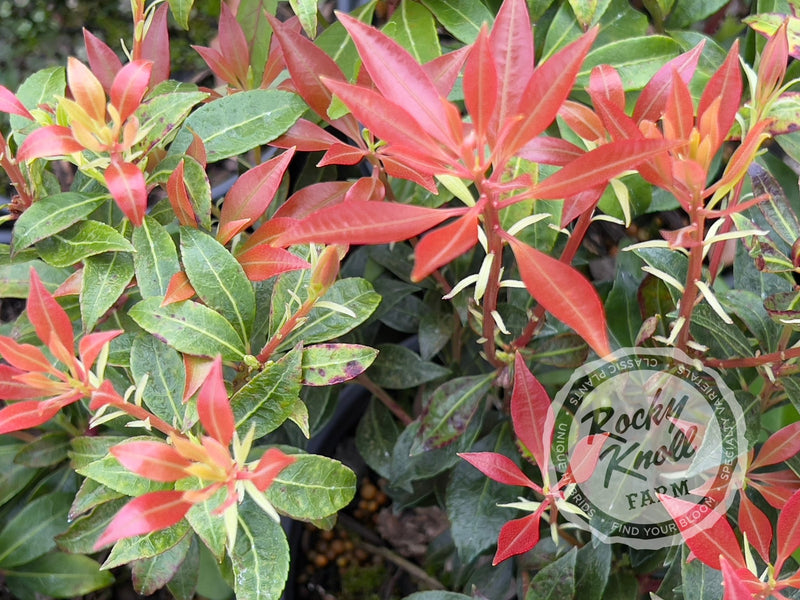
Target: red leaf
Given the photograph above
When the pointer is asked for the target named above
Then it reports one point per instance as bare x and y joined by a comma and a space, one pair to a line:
127, 186
443, 245
105, 394
518, 536
365, 189
726, 84
233, 43
511, 41
91, 345
735, 586
51, 322
679, 112
547, 89
152, 512
391, 122
156, 461
197, 149
708, 536
312, 198
582, 120
480, 84
268, 233
305, 136
618, 124
197, 369
584, 459
772, 63
129, 87
443, 70
398, 168
264, 261
10, 104
218, 64
155, 46
550, 151
308, 64
605, 82
565, 293
531, 413
13, 389
500, 468
598, 166
179, 198
103, 61
86, 89
24, 356
213, 406
366, 223
342, 154
47, 142
178, 289
651, 102
398, 76
27, 414
775, 495
251, 195
575, 205
780, 446
788, 530
756, 525
271, 464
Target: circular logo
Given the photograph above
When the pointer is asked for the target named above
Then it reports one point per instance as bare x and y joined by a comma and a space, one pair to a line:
672, 429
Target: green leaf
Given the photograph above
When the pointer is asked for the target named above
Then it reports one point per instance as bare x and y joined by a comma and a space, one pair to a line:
218, 279
184, 583
376, 437
146, 546
449, 410
47, 450
622, 304
313, 487
29, 534
398, 367
268, 399
189, 327
166, 377
181, 10
257, 30
688, 12
79, 241
592, 567
776, 208
207, 525
556, 580
462, 18
749, 307
723, 340
89, 495
671, 262
59, 575
160, 116
336, 42
155, 260
13, 478
40, 88
235, 124
636, 59
329, 364
197, 184
306, 11
588, 12
700, 582
260, 556
50, 215
150, 574
437, 595
15, 278
84, 531
105, 278
564, 351
472, 500
414, 28
88, 449
113, 475
323, 324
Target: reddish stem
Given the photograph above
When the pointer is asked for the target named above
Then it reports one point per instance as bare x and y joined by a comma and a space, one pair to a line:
276, 340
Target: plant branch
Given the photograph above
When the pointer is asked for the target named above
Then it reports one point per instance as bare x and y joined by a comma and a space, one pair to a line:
386, 399
753, 361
